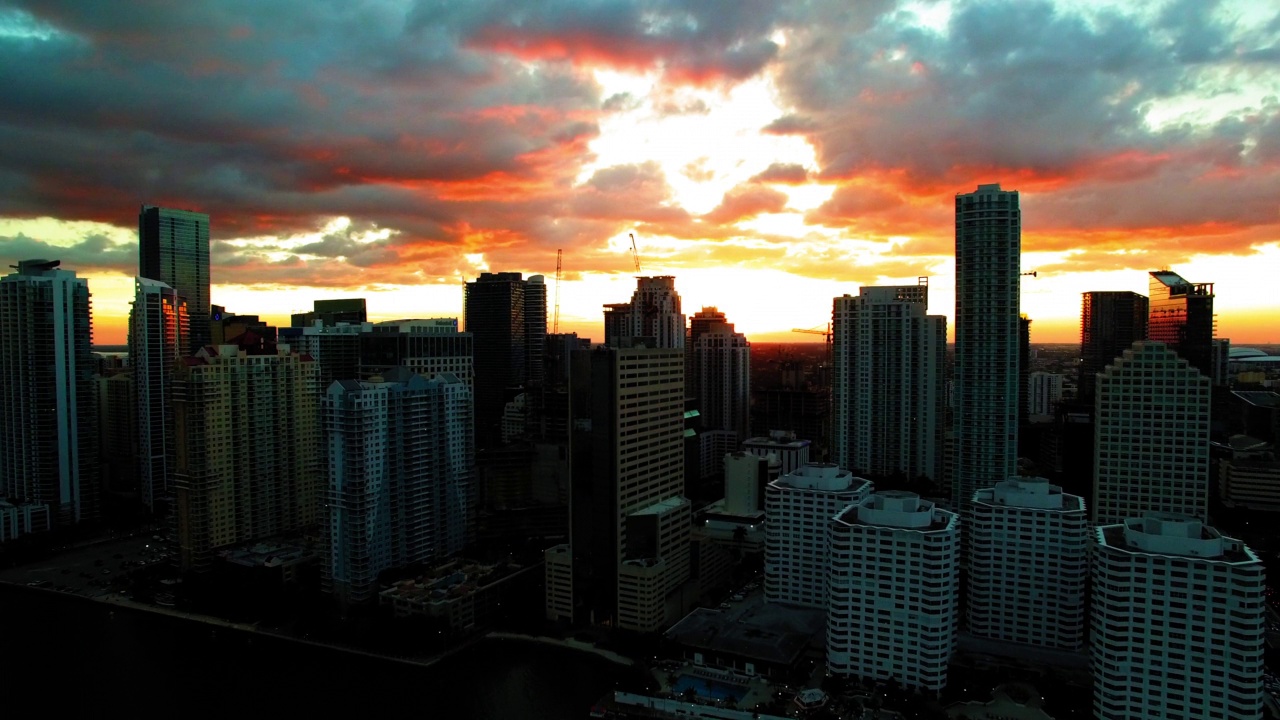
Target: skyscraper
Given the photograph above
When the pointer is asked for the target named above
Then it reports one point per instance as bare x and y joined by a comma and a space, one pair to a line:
173, 247
1177, 622
654, 312
248, 462
48, 433
887, 388
1181, 317
1151, 436
1109, 323
502, 310
719, 374
1028, 564
158, 329
400, 462
893, 585
988, 253
631, 521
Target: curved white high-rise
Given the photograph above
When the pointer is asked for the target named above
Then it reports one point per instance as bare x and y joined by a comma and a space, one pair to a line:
1177, 622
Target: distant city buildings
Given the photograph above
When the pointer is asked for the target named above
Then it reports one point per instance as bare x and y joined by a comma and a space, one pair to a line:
48, 433
798, 508
400, 466
248, 448
1151, 436
159, 327
888, 406
328, 313
1178, 615
1181, 317
985, 412
173, 247
1028, 564
893, 585
1110, 322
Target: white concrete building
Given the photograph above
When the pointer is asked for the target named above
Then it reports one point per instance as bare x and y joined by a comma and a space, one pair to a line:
1028, 545
400, 464
791, 453
1151, 436
798, 508
892, 608
654, 312
887, 397
988, 256
1177, 622
48, 422
1043, 393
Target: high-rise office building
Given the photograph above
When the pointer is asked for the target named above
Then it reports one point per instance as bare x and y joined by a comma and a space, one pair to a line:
1028, 564
888, 406
719, 374
248, 462
654, 312
328, 313
400, 463
988, 253
1151, 436
631, 522
535, 329
173, 247
798, 508
1181, 316
1109, 323
48, 433
158, 329
1177, 622
502, 311
894, 566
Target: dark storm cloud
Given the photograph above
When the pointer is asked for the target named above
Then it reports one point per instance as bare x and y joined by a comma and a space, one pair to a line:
689, 40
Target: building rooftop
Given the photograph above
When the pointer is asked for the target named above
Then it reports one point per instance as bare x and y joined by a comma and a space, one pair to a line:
752, 629
1259, 398
449, 581
1162, 533
271, 554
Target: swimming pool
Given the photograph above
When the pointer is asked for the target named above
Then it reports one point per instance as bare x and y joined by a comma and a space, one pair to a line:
708, 689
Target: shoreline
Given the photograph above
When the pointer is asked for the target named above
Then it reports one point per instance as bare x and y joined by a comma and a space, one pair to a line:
115, 600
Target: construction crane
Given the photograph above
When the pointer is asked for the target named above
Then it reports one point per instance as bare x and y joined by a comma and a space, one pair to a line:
826, 334
555, 325
1032, 273
635, 254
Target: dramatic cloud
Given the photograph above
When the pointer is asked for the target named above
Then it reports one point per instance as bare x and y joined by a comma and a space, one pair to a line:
342, 144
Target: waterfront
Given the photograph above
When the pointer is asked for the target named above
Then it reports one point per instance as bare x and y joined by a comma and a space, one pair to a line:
82, 653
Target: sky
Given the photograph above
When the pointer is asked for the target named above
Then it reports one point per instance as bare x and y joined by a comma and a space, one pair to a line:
770, 154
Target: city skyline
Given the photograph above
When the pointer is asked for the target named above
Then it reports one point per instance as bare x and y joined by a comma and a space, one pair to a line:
807, 151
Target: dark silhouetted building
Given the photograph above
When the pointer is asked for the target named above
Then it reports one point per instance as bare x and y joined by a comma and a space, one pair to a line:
173, 247
1110, 322
349, 311
507, 319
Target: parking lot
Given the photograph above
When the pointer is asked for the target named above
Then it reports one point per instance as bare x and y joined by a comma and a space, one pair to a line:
92, 570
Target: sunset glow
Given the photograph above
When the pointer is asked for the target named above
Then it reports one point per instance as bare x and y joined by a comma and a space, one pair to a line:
771, 156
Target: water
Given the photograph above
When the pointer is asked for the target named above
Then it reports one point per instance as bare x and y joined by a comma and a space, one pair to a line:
86, 655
